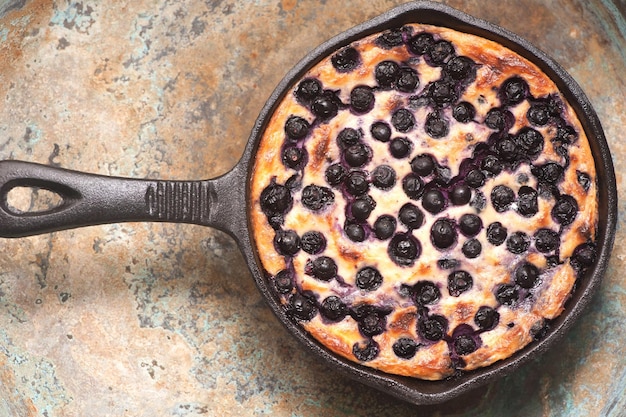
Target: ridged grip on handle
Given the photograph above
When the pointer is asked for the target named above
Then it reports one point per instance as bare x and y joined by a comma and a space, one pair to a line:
89, 199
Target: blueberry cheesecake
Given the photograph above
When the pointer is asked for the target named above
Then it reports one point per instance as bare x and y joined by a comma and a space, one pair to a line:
423, 202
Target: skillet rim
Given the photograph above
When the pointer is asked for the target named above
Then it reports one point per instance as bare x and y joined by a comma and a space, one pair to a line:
413, 390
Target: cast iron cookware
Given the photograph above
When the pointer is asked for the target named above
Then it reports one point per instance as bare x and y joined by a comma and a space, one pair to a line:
222, 202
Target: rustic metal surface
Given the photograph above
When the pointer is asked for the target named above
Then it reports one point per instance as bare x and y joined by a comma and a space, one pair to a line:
164, 320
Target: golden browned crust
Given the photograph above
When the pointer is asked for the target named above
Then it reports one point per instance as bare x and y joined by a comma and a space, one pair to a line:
518, 323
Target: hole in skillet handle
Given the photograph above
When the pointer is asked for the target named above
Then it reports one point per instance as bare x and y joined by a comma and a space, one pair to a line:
33, 199
421, 392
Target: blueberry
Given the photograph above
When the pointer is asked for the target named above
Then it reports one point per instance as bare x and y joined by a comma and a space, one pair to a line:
384, 227
357, 155
286, 242
420, 43
496, 233
386, 73
371, 320
294, 183
275, 199
470, 224
584, 180
464, 344
447, 263
411, 216
323, 268
460, 68
518, 242
527, 204
526, 275
408, 80
502, 197
522, 178
315, 197
308, 89
333, 309
390, 38
491, 165
425, 293
475, 178
498, 119
584, 256
461, 194
348, 137
566, 134
423, 165
312, 242
507, 150
413, 186
479, 201
368, 279
434, 201
383, 177
538, 114
443, 233
443, 174
443, 93
283, 281
507, 294
439, 52
530, 140
346, 59
546, 240
366, 351
335, 174
405, 348
403, 120
432, 328
513, 91
459, 282
486, 318
354, 231
294, 157
540, 329
381, 131
472, 248
549, 173
356, 183
362, 207
301, 307
296, 127
565, 210
554, 104
275, 220
552, 261
436, 125
326, 105
362, 99
399, 147
404, 249
464, 112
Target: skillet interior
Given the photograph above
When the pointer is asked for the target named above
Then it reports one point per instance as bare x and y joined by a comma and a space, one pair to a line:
414, 390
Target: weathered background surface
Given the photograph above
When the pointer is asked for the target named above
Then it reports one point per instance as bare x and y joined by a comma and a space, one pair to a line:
164, 320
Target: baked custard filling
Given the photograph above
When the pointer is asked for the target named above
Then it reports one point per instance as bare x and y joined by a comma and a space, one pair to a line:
424, 202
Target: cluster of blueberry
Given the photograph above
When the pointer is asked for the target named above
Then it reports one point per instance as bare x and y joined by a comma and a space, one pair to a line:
428, 182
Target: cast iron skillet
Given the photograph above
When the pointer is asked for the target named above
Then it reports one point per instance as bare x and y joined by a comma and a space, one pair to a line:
222, 202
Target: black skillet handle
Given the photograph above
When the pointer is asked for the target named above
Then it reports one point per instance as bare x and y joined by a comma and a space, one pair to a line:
89, 199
